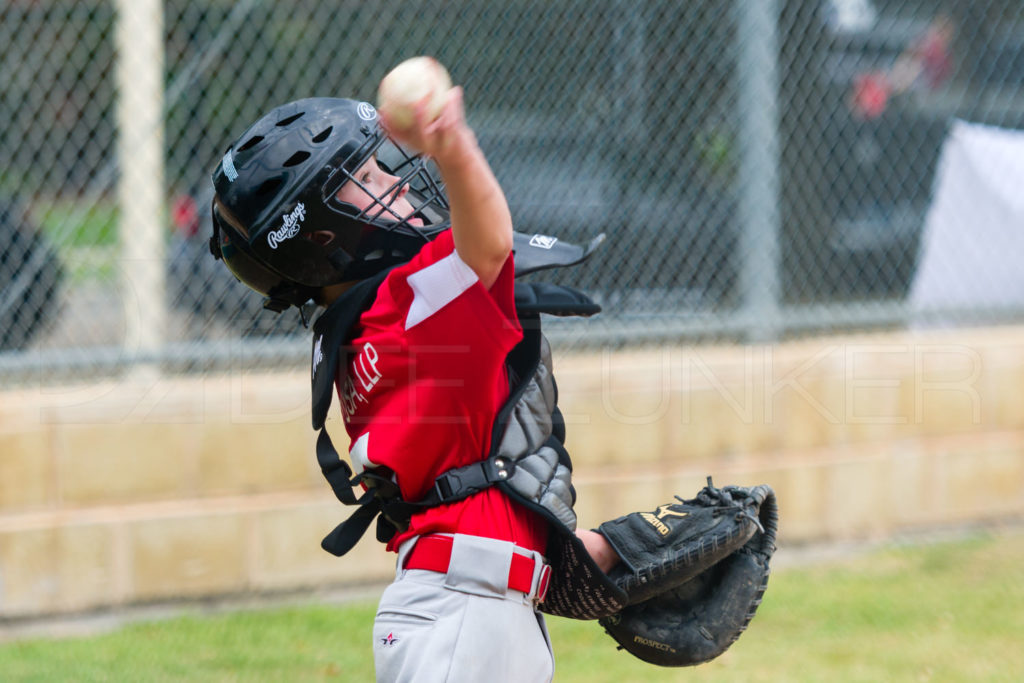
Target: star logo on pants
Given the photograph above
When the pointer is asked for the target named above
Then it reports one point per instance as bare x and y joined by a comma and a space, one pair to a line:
390, 640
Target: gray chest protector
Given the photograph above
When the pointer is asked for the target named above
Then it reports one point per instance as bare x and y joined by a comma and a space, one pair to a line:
531, 452
528, 460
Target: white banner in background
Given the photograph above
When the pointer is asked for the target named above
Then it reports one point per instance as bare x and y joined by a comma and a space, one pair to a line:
972, 250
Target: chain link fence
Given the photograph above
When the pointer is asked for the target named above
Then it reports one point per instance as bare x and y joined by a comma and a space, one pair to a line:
762, 168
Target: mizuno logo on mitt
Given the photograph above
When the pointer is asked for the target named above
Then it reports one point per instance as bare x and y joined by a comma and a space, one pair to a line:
663, 511
656, 523
667, 511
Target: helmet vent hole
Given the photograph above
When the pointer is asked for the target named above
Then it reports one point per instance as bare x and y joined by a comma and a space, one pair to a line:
290, 119
251, 142
268, 186
297, 158
323, 135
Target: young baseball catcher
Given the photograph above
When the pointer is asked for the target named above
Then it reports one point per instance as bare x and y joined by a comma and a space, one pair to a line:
435, 352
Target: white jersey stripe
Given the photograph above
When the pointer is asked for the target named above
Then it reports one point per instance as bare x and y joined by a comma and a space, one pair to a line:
436, 286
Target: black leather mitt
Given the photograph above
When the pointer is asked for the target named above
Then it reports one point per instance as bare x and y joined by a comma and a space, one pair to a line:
688, 622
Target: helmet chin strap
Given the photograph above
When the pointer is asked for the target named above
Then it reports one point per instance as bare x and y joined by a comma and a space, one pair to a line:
276, 305
280, 305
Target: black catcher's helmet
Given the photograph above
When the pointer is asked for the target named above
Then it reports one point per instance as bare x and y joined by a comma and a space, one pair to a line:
277, 222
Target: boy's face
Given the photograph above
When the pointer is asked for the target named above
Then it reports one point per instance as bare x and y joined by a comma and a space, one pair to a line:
377, 187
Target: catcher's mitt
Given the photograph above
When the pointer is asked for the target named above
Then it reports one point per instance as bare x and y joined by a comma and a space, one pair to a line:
698, 620
669, 546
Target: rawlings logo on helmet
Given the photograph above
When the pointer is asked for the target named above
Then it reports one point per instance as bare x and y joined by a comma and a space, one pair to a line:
291, 222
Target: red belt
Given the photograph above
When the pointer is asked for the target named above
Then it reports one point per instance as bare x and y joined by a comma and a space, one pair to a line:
434, 553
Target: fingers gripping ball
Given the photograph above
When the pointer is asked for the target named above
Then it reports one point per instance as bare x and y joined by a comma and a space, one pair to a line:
414, 80
698, 620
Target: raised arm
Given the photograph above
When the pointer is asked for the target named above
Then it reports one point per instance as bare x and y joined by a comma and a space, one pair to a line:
481, 222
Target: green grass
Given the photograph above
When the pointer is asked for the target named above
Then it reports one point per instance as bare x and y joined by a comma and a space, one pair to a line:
71, 224
941, 612
85, 236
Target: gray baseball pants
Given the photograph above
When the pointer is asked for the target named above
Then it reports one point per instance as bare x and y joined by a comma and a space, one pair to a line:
465, 625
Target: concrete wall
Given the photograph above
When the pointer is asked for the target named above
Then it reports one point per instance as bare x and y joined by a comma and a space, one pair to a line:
150, 489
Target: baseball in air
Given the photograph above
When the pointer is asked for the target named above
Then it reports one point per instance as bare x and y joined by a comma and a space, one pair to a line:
408, 83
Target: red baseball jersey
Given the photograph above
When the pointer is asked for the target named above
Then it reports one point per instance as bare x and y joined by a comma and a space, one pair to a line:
425, 381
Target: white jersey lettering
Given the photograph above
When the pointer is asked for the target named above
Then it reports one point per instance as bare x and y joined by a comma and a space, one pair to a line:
363, 376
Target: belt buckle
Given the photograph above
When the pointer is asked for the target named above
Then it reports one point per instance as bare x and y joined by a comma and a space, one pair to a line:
543, 583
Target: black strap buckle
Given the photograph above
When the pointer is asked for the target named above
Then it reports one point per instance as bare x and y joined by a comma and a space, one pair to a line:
462, 482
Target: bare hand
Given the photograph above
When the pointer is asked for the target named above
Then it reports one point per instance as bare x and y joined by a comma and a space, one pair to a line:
438, 138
